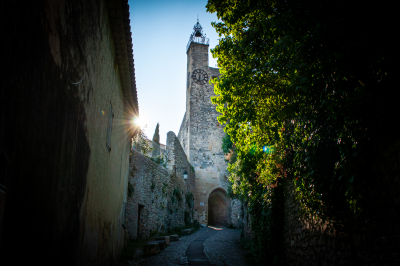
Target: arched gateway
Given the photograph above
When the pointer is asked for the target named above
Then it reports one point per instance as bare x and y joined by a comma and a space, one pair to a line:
218, 208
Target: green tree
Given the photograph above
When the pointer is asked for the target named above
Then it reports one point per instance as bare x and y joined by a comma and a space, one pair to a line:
314, 81
141, 143
156, 136
156, 145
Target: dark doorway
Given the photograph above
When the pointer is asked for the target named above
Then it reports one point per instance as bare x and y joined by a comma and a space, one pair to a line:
218, 203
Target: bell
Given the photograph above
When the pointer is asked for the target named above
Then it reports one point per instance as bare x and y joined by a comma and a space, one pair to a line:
198, 34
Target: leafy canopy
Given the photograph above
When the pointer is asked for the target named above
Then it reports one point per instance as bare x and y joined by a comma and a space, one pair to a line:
311, 80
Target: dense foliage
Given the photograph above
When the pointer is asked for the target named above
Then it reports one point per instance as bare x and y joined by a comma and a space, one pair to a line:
309, 79
140, 142
306, 91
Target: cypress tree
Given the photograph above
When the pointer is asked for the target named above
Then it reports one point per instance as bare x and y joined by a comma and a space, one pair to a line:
156, 136
156, 141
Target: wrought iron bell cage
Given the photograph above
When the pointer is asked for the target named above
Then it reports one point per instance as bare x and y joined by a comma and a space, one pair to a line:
197, 36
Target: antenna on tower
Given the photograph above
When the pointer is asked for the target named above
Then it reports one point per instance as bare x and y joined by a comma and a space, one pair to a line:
197, 17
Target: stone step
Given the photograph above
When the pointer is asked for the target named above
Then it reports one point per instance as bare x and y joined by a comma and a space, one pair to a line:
161, 243
151, 248
174, 238
187, 231
166, 238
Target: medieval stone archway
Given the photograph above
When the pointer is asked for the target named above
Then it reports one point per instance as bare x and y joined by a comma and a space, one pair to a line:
218, 208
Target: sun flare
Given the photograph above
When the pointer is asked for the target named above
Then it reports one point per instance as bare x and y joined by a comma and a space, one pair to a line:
138, 121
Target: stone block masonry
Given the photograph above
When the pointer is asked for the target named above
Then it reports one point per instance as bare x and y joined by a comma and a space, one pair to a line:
236, 213
201, 135
162, 199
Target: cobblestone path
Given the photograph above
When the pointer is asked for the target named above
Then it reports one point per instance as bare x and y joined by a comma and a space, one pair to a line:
221, 248
224, 248
195, 251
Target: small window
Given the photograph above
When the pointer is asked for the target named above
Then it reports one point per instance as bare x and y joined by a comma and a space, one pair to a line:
109, 128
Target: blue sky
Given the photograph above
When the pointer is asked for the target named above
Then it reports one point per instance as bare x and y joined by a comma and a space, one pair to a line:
160, 32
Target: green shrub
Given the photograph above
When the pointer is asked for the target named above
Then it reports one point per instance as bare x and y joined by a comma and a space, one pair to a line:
189, 199
177, 194
159, 159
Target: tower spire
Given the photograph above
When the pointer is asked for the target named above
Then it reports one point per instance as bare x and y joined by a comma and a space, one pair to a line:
197, 35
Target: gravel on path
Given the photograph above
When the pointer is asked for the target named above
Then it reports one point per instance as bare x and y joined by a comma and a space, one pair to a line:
224, 248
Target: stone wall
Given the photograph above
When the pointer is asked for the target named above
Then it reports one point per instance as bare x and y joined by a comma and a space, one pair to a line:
247, 232
236, 213
311, 241
65, 103
161, 195
201, 134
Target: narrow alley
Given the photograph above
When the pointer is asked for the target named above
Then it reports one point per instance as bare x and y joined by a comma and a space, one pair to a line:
206, 132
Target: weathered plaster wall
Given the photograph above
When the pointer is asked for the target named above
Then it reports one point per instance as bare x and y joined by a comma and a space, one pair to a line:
62, 74
201, 134
154, 186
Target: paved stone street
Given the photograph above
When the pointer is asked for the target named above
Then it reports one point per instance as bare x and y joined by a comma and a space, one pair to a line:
221, 248
224, 248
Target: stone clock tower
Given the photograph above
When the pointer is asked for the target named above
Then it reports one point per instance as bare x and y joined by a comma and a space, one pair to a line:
201, 135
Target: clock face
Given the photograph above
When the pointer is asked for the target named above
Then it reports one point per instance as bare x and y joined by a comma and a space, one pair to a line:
200, 76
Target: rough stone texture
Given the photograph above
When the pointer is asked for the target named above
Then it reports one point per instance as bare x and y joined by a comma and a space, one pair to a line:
151, 248
161, 243
218, 208
174, 254
65, 63
165, 238
178, 162
373, 241
236, 213
309, 241
200, 133
174, 238
224, 248
160, 207
247, 232
187, 231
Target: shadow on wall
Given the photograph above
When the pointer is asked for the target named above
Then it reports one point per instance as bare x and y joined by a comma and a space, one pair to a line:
218, 208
